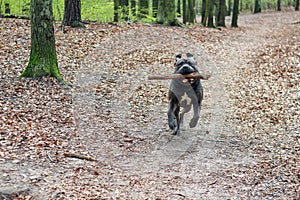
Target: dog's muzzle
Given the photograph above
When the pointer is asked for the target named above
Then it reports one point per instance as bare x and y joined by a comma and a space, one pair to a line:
186, 69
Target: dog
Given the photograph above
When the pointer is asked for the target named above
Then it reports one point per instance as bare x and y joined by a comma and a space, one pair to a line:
184, 93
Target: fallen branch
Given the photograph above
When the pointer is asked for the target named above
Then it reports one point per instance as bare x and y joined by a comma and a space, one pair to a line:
180, 76
73, 155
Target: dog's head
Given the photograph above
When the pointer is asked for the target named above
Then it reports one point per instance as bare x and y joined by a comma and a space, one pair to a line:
185, 65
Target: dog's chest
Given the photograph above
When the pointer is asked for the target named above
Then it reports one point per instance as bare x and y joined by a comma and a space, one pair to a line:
185, 100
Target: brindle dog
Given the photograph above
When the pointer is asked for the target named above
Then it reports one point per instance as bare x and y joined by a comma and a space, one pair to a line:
184, 93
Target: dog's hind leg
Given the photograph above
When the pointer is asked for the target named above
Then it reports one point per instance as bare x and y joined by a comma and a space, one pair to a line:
185, 110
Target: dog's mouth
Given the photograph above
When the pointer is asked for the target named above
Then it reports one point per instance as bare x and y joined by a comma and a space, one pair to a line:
188, 80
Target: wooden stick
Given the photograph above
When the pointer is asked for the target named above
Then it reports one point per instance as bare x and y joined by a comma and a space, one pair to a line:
73, 155
180, 76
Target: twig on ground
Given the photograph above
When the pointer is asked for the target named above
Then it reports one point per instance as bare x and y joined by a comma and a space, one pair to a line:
73, 155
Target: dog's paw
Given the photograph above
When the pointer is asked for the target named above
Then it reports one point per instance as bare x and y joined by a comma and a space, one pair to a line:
176, 131
193, 122
172, 124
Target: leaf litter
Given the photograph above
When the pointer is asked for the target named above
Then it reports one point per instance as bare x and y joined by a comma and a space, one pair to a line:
124, 117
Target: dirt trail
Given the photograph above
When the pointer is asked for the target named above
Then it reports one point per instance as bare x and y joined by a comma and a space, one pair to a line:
124, 126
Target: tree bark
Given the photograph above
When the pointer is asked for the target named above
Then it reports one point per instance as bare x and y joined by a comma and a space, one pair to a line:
72, 16
278, 5
166, 13
221, 13
43, 58
116, 11
297, 5
257, 7
184, 12
203, 13
235, 12
191, 11
178, 7
210, 22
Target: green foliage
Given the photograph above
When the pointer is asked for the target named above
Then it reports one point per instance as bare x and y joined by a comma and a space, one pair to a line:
102, 10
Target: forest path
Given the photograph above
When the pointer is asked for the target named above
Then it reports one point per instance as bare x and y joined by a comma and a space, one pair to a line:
146, 150
117, 116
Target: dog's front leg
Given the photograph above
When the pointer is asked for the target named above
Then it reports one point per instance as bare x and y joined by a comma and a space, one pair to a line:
171, 116
194, 120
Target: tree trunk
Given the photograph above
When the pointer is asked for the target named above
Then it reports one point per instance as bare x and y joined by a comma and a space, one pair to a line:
155, 7
278, 5
43, 58
257, 8
191, 11
297, 5
203, 13
221, 13
72, 16
235, 12
178, 7
210, 22
229, 8
116, 10
166, 13
184, 12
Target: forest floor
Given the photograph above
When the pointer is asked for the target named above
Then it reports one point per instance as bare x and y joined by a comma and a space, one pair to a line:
246, 145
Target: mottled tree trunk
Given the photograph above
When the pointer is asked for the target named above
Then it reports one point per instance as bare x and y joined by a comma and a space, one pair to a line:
178, 7
191, 11
257, 8
203, 12
210, 22
116, 10
43, 58
166, 13
297, 5
278, 5
72, 15
184, 12
221, 13
235, 12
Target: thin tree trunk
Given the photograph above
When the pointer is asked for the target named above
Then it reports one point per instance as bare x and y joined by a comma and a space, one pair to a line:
235, 12
167, 13
257, 8
203, 13
278, 5
229, 8
184, 12
191, 11
297, 5
43, 58
116, 10
178, 7
221, 13
72, 16
210, 22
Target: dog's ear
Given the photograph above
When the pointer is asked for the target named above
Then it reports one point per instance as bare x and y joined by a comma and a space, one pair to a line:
189, 55
191, 59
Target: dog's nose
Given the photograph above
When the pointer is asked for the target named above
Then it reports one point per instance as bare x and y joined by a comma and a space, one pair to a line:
185, 67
